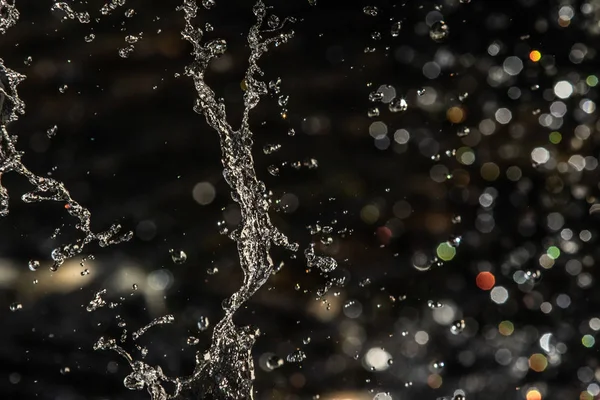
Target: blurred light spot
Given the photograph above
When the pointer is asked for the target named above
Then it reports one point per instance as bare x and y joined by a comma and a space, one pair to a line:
401, 136
499, 295
503, 115
534, 394
563, 301
535, 56
595, 323
555, 137
553, 252
540, 155
445, 251
512, 65
506, 328
422, 337
485, 280
160, 280
369, 214
563, 89
204, 193
378, 359
378, 130
538, 362
588, 341
456, 115
490, 171
434, 381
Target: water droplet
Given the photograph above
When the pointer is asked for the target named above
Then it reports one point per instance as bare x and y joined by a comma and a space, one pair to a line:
454, 241
178, 256
296, 356
434, 304
420, 92
291, 132
457, 327
85, 272
396, 27
63, 88
89, 37
192, 341
33, 265
376, 35
456, 219
460, 396
208, 4
125, 52
375, 96
35, 281
371, 11
439, 31
533, 276
364, 282
408, 384
462, 97
203, 323
28, 61
306, 340
135, 286
52, 131
373, 112
273, 170
129, 13
437, 366
398, 105
274, 362
271, 148
65, 370
16, 307
463, 131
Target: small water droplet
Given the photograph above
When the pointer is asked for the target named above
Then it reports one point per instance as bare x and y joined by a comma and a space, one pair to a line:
371, 11
192, 341
274, 362
439, 31
16, 307
63, 88
89, 37
178, 256
208, 4
373, 112
457, 326
65, 370
85, 272
463, 131
398, 105
33, 265
434, 304
456, 219
203, 323
296, 356
135, 286
396, 27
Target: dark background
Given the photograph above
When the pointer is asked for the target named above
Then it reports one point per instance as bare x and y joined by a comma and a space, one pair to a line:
130, 147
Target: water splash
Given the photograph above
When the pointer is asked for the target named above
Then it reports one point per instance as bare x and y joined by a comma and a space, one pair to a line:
226, 370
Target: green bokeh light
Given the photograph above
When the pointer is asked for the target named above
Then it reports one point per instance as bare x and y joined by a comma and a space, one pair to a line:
555, 137
445, 251
553, 252
588, 341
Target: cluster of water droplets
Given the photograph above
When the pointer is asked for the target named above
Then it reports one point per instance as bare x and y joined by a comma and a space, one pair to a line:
44, 188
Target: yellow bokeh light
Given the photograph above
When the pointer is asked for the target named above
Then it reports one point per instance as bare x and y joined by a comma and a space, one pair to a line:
538, 362
456, 115
535, 56
534, 394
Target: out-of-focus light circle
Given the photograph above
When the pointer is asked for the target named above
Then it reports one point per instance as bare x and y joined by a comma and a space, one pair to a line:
378, 359
540, 155
499, 295
204, 193
563, 89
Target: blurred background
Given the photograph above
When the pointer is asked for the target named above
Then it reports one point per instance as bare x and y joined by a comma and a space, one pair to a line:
445, 153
